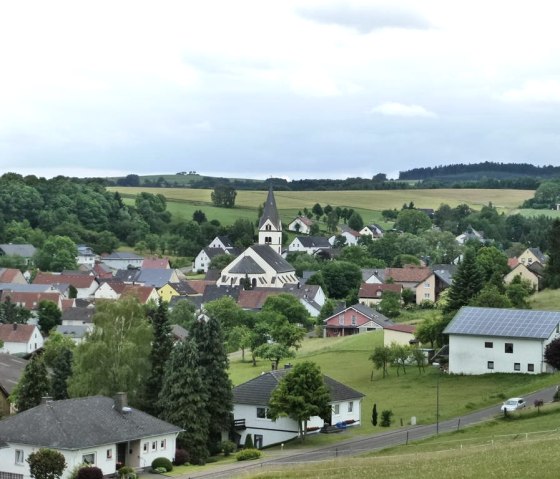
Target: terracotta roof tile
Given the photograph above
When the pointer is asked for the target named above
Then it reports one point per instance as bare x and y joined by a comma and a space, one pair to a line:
16, 333
407, 275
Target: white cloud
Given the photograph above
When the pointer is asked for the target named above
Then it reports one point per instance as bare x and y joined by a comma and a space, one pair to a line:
391, 108
534, 91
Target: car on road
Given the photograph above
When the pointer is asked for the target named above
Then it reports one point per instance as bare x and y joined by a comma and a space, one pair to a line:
512, 404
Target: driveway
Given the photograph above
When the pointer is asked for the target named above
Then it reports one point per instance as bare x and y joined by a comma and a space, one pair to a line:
362, 444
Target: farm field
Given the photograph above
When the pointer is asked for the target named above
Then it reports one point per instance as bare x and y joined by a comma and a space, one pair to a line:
413, 394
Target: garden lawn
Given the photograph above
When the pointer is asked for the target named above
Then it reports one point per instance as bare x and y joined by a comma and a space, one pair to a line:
546, 300
413, 394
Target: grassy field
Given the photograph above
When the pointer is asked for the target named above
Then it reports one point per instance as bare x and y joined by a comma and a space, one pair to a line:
524, 445
547, 300
413, 394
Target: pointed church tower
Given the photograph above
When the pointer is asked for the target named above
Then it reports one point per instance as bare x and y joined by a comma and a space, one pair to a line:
270, 226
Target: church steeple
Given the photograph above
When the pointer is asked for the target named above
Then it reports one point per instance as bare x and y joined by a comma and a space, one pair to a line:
270, 226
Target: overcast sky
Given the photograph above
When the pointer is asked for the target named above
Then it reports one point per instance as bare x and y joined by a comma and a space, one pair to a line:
296, 89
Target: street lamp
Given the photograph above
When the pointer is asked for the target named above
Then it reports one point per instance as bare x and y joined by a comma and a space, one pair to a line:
437, 396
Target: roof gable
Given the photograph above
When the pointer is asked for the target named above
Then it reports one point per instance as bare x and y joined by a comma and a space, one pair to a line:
270, 212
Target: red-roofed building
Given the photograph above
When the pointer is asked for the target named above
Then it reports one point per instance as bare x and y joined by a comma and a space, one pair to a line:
255, 298
418, 279
512, 262
31, 300
11, 275
155, 263
199, 285
398, 333
143, 294
85, 285
20, 338
372, 294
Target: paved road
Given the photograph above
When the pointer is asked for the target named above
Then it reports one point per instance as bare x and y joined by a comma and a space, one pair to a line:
363, 444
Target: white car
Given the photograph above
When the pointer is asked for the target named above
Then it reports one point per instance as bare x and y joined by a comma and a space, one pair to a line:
513, 404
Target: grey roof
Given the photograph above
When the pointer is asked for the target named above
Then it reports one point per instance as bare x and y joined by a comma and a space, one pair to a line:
80, 423
213, 252
155, 277
126, 275
511, 323
23, 250
179, 332
226, 241
257, 391
247, 265
11, 369
369, 272
314, 241
373, 314
445, 272
26, 288
122, 256
78, 331
272, 258
539, 254
85, 315
536, 268
270, 212
213, 292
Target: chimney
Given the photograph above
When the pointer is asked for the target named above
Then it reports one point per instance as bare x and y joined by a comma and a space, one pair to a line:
121, 402
15, 326
46, 399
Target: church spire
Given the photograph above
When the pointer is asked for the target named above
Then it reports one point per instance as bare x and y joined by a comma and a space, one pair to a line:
270, 226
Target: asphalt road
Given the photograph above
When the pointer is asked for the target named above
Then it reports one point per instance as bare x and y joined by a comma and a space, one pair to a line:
364, 444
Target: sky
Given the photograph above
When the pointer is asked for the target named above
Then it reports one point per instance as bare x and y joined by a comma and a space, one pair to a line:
291, 89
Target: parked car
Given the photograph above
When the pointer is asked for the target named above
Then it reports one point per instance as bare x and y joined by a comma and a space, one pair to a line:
513, 404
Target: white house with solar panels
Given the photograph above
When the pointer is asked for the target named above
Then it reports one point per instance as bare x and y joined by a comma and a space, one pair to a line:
488, 340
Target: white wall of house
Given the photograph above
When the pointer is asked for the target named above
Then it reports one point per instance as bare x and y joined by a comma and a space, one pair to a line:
201, 262
84, 293
303, 228
346, 411
35, 342
105, 291
399, 337
426, 290
472, 355
350, 238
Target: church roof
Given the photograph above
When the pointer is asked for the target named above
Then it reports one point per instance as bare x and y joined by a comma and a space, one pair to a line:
272, 258
247, 265
270, 212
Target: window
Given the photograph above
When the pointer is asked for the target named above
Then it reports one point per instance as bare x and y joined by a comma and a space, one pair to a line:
426, 295
163, 444
508, 348
89, 458
109, 454
490, 364
350, 406
19, 456
531, 367
336, 409
427, 284
517, 366
488, 344
262, 413
154, 445
146, 447
353, 320
341, 319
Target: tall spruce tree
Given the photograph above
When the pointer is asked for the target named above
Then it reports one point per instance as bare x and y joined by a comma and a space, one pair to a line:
183, 400
62, 370
207, 335
552, 269
162, 345
468, 281
33, 385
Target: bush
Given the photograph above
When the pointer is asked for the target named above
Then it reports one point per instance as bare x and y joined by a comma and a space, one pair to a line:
159, 470
89, 472
248, 454
386, 418
228, 447
249, 442
181, 457
556, 396
74, 471
162, 462
126, 472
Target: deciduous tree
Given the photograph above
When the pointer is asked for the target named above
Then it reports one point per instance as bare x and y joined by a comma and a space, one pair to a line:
223, 196
46, 464
49, 316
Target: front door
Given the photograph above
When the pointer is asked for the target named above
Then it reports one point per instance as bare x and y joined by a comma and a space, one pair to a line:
121, 452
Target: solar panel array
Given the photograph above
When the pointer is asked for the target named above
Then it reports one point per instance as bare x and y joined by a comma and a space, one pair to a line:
517, 323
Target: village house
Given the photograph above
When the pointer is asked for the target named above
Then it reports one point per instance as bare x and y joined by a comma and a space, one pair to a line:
532, 255
309, 244
124, 260
85, 256
533, 273
85, 284
421, 280
374, 231
20, 338
25, 251
11, 370
301, 225
12, 275
96, 430
402, 334
372, 294
351, 236
353, 320
250, 405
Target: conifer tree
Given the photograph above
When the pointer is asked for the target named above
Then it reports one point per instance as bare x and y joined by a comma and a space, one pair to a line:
207, 336
183, 400
62, 370
33, 385
468, 281
162, 345
552, 269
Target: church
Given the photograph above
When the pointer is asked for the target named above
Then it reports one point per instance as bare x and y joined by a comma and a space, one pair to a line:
262, 265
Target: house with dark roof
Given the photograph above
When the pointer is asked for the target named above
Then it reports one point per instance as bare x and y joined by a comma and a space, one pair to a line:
373, 230
488, 340
96, 430
85, 256
309, 244
204, 258
122, 260
532, 255
25, 251
354, 319
11, 370
250, 405
222, 242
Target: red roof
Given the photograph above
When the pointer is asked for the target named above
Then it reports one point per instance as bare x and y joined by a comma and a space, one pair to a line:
403, 328
68, 304
79, 281
255, 298
408, 275
376, 290
199, 285
8, 275
16, 333
141, 293
155, 263
30, 300
512, 262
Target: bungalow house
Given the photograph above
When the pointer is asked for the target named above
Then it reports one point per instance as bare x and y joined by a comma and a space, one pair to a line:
117, 260
25, 251
372, 294
85, 284
351, 236
97, 430
421, 280
470, 234
532, 255
301, 225
261, 266
532, 272
399, 333
373, 230
487, 340
11, 370
20, 338
85, 256
309, 244
353, 320
250, 405
12, 275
